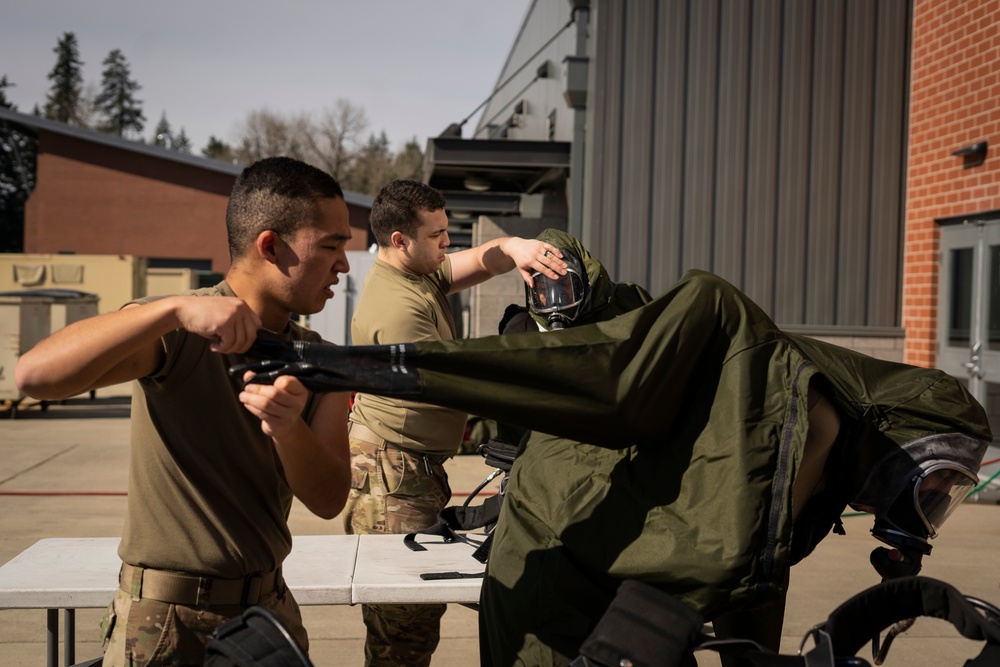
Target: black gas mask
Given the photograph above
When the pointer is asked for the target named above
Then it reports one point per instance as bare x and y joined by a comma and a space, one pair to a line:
912, 492
559, 302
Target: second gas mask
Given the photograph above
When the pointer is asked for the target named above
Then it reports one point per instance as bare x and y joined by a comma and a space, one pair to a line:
913, 491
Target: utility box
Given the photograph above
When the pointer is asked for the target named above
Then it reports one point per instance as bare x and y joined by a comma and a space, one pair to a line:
116, 279
161, 281
28, 316
24, 320
69, 306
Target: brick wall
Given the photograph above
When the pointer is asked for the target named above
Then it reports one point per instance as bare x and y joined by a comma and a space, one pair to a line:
954, 102
93, 199
96, 199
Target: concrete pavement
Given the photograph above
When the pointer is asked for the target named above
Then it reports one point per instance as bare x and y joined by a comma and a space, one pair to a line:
68, 467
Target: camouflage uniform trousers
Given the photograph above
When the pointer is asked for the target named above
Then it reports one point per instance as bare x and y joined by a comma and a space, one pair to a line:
392, 492
147, 633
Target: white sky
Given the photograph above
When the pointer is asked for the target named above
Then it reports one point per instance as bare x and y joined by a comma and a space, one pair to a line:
414, 66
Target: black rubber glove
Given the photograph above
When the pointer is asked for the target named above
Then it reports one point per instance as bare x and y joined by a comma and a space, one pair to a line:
323, 367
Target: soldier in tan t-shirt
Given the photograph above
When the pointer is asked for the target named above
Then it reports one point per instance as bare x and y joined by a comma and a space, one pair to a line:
398, 482
214, 465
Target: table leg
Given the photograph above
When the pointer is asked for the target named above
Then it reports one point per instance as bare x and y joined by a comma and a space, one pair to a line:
52, 637
69, 636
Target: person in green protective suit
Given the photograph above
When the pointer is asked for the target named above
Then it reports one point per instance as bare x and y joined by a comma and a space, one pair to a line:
719, 451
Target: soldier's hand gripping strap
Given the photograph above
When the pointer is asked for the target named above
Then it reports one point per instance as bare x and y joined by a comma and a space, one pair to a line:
322, 367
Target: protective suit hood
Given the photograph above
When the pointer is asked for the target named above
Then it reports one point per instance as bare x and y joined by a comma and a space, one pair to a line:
605, 298
894, 474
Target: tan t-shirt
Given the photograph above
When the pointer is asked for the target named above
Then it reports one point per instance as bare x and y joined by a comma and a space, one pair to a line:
206, 493
399, 307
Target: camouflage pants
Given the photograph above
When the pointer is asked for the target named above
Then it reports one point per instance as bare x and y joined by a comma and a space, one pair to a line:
146, 633
392, 492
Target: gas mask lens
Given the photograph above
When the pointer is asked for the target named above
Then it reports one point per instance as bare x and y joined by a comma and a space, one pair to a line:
557, 300
938, 491
549, 296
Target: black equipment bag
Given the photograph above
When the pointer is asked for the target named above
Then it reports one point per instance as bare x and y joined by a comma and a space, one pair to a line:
254, 639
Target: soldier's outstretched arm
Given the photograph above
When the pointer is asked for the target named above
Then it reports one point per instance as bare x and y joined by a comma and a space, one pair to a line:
124, 345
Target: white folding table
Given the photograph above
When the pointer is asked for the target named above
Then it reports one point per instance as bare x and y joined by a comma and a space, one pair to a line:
80, 573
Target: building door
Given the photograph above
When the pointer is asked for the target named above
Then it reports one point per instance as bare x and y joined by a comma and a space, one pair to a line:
969, 313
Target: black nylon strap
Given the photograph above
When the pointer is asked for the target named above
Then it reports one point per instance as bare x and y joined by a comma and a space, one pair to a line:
433, 576
438, 529
988, 657
470, 517
651, 628
856, 621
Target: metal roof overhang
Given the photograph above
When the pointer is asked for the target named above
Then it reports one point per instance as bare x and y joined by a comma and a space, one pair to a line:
506, 167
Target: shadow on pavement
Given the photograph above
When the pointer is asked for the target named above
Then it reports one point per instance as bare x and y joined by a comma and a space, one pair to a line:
111, 407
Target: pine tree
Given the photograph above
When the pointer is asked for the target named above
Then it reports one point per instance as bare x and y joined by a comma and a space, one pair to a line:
181, 142
63, 100
4, 85
122, 112
409, 162
217, 149
17, 177
373, 166
162, 135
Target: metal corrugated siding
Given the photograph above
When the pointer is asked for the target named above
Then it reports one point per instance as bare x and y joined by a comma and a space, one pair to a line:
856, 167
699, 158
885, 258
730, 255
760, 140
639, 80
762, 151
825, 155
667, 144
605, 147
793, 163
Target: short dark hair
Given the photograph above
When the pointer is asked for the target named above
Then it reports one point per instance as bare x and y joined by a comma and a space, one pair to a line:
397, 206
276, 193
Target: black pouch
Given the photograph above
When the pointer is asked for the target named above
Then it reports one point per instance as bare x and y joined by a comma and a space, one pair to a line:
255, 639
643, 627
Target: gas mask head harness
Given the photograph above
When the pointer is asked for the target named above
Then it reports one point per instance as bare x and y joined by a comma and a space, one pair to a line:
559, 302
912, 491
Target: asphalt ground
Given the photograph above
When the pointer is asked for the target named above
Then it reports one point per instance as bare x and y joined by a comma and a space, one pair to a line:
63, 473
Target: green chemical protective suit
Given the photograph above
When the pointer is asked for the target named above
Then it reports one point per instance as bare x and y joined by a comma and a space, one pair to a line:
695, 407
